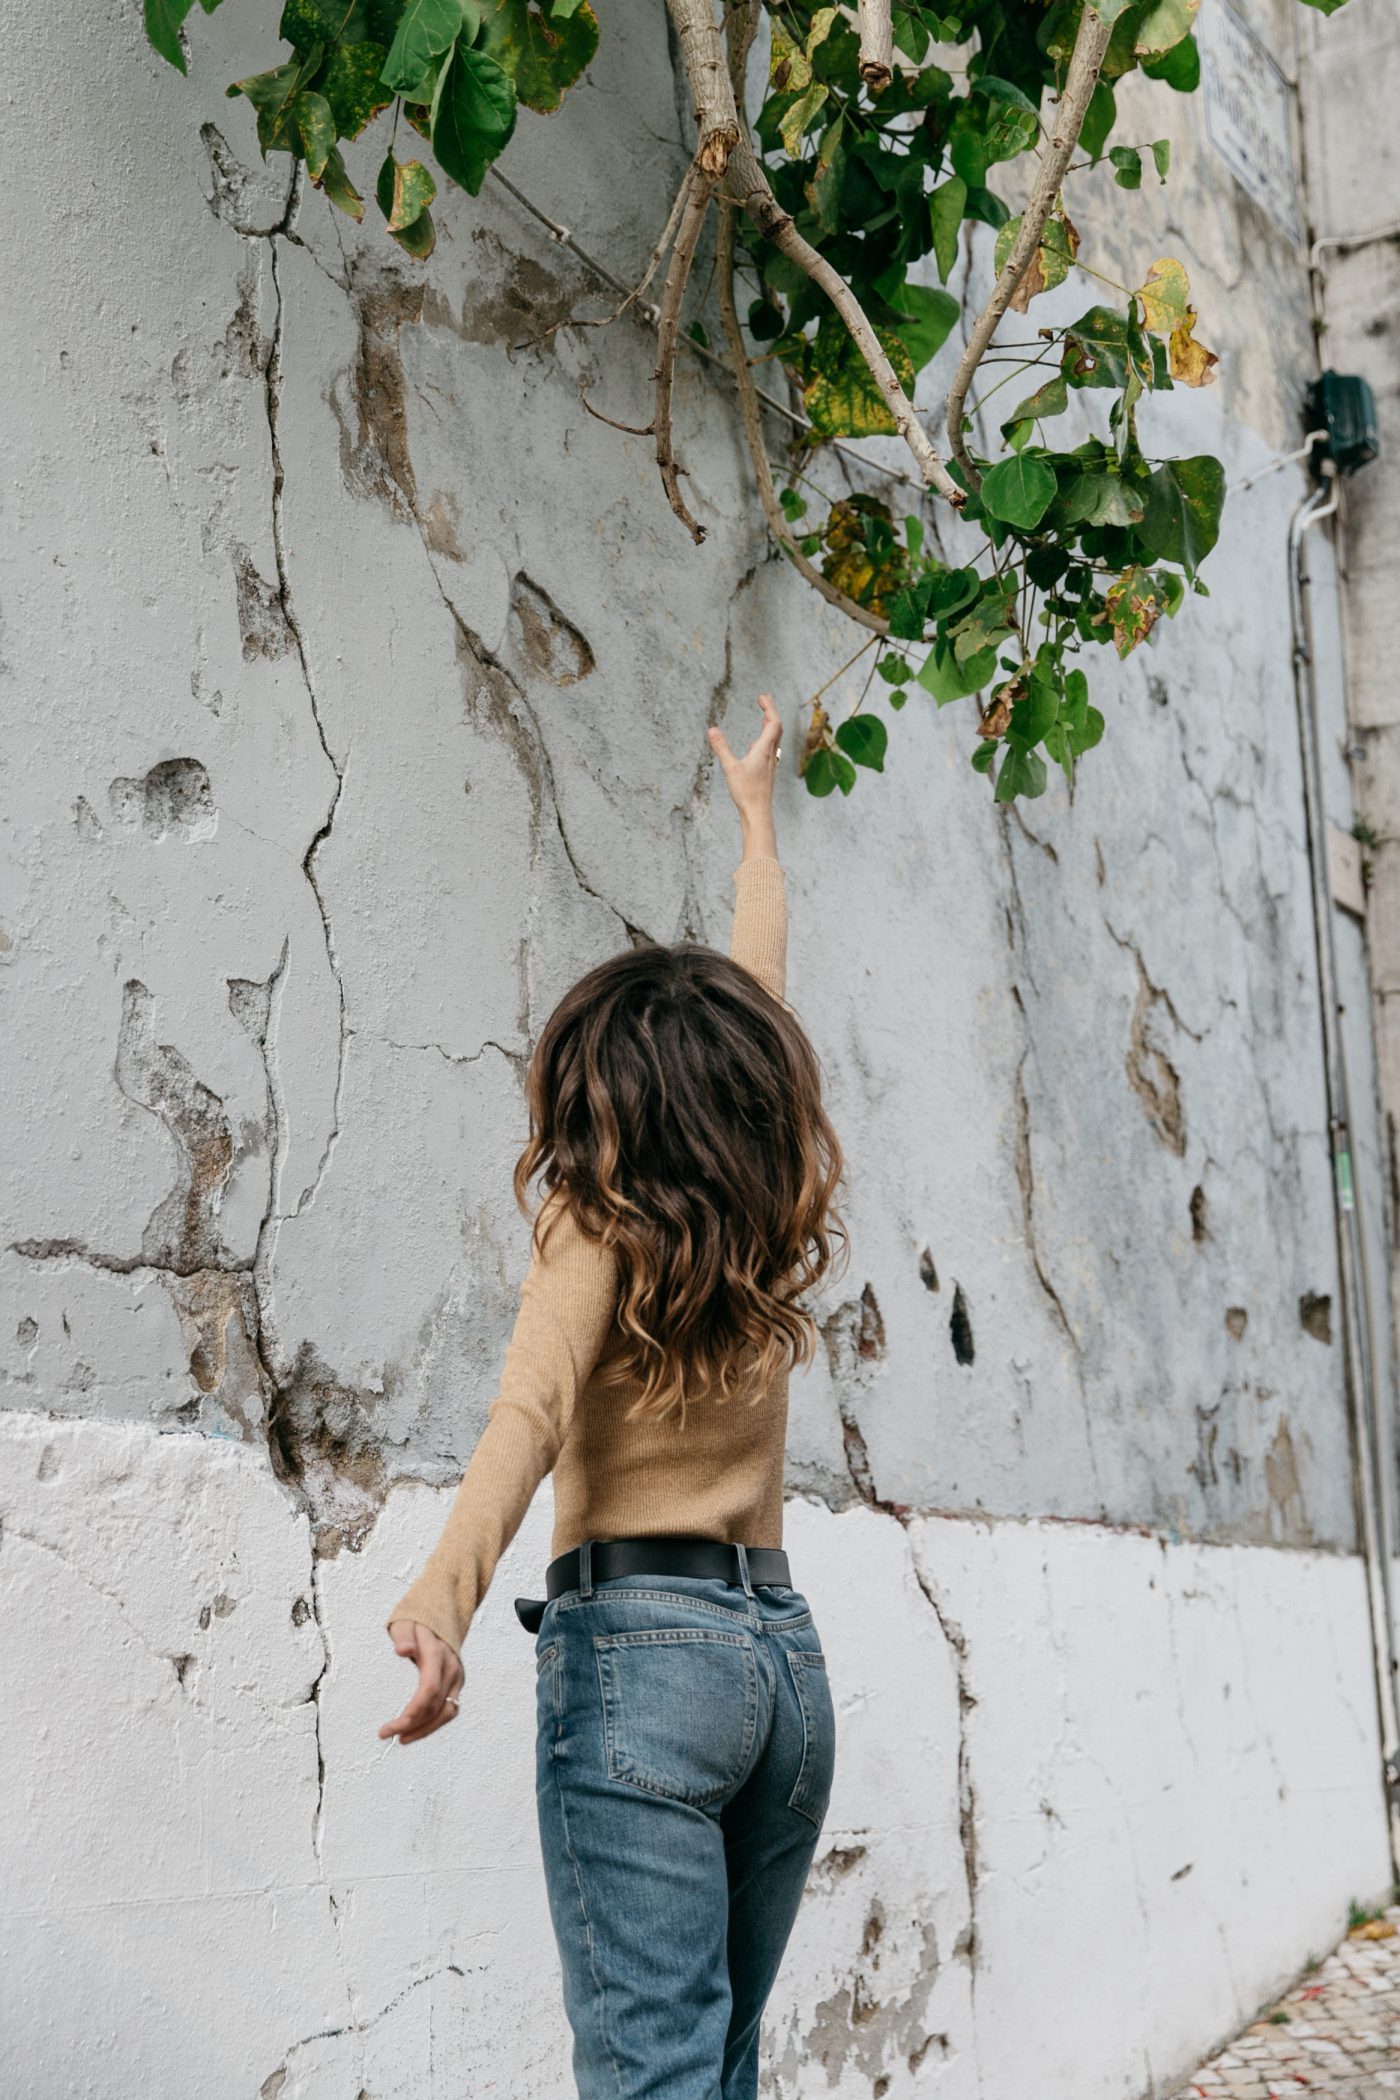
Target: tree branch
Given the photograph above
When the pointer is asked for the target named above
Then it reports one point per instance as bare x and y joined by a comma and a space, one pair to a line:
876, 45
700, 187
1090, 44
751, 418
712, 96
747, 185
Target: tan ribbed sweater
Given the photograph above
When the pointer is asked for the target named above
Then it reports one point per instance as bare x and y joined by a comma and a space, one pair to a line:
718, 1474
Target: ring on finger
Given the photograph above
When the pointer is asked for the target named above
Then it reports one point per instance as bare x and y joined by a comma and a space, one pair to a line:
453, 1703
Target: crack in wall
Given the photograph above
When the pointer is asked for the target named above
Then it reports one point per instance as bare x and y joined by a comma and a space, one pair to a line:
273, 400
273, 2084
855, 1341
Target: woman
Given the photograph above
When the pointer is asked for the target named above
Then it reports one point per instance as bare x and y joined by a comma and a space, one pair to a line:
685, 1732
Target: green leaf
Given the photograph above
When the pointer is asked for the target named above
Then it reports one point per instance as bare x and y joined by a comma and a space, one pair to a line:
473, 116
1052, 399
1096, 349
308, 22
824, 188
864, 738
340, 189
1127, 162
1101, 499
426, 29
984, 757
1019, 491
895, 670
1036, 712
1162, 157
1164, 25
1180, 67
947, 679
945, 209
352, 86
1325, 7
986, 625
419, 239
1181, 520
404, 191
827, 769
948, 590
843, 399
163, 23
272, 95
1099, 119
1110, 10
1022, 773
316, 130
926, 319
986, 207
544, 56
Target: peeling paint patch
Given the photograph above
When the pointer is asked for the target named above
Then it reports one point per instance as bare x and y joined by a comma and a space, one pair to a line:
1151, 1073
174, 799
1315, 1315
262, 617
960, 1328
549, 642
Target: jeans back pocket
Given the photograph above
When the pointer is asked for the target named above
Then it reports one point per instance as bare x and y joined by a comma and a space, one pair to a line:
812, 1789
680, 1708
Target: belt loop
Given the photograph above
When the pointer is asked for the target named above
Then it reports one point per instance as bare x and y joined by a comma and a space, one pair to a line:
744, 1569
585, 1569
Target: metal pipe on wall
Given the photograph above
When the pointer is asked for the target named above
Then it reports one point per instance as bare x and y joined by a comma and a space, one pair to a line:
1371, 1455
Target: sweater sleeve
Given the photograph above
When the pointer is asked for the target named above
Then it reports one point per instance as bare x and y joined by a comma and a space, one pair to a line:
566, 1310
759, 936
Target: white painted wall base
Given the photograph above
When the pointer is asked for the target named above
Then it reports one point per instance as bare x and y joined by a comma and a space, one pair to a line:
1095, 1793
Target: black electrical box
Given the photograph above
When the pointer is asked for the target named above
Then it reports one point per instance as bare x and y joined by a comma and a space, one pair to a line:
1345, 408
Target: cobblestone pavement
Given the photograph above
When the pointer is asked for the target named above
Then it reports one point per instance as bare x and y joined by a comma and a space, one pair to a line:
1336, 2036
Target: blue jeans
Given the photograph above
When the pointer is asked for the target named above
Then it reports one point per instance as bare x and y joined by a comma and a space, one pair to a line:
684, 1759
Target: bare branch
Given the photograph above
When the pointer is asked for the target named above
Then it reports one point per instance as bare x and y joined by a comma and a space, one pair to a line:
1090, 44
712, 95
876, 45
747, 185
630, 298
635, 430
752, 421
700, 187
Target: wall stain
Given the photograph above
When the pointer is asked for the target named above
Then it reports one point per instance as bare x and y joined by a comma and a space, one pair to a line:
548, 640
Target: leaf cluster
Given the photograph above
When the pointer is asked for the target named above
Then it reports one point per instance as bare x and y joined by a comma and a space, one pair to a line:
458, 69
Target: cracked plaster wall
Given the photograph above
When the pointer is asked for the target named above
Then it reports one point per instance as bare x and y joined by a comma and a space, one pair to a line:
356, 681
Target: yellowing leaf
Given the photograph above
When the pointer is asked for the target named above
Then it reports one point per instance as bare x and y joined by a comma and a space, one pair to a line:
1049, 266
843, 398
803, 110
821, 27
789, 68
1165, 294
862, 556
1133, 605
1190, 361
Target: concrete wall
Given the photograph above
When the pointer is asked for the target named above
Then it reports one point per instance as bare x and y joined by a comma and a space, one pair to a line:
1353, 76
357, 682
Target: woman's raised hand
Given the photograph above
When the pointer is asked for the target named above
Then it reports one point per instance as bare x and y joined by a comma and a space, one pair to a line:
750, 779
440, 1675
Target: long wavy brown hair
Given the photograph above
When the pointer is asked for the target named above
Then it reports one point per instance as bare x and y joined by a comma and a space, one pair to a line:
676, 1110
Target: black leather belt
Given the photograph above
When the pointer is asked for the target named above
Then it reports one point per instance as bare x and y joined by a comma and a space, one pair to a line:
711, 1559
